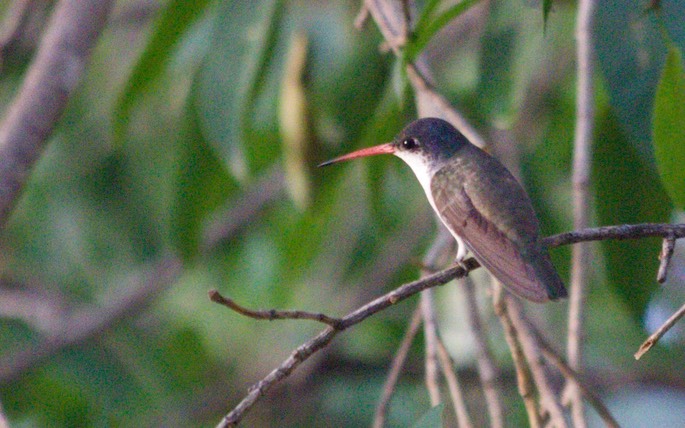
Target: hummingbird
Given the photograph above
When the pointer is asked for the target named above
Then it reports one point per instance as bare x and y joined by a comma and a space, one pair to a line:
481, 204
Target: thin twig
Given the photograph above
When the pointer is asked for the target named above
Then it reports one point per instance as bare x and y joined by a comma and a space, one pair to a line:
582, 160
362, 17
431, 348
303, 352
409, 289
553, 357
548, 400
485, 362
665, 258
463, 418
60, 62
620, 232
441, 243
271, 314
654, 338
523, 381
396, 368
390, 21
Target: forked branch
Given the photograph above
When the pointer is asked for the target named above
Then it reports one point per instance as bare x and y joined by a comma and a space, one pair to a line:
320, 341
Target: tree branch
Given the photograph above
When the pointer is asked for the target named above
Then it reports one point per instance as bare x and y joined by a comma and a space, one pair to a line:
582, 160
620, 232
665, 258
523, 379
396, 367
548, 401
303, 352
52, 78
553, 357
487, 370
271, 314
87, 322
651, 340
447, 365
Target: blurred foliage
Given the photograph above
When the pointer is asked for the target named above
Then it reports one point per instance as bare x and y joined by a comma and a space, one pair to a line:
669, 125
178, 130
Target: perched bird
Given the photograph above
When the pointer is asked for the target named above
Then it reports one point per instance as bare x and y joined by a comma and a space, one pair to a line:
481, 204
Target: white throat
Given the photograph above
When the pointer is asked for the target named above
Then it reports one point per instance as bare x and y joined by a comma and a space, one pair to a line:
422, 170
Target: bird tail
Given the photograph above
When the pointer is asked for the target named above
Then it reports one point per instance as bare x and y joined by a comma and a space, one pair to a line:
548, 276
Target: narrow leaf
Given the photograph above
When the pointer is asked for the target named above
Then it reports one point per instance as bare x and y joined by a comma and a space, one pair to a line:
426, 14
203, 184
178, 16
669, 126
230, 80
628, 190
424, 34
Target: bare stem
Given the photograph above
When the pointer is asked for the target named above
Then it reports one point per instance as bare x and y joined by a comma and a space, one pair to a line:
582, 159
271, 314
437, 249
407, 290
553, 357
431, 348
548, 399
396, 367
665, 258
463, 418
487, 370
523, 380
654, 338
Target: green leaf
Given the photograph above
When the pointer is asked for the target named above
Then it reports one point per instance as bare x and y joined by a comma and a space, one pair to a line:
426, 14
628, 191
172, 25
425, 30
230, 80
630, 54
432, 418
203, 184
669, 126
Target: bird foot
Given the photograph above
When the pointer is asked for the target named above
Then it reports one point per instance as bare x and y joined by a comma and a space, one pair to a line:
462, 265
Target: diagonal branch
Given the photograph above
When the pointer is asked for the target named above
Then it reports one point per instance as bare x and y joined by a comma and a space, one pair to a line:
88, 322
54, 75
651, 340
396, 367
306, 350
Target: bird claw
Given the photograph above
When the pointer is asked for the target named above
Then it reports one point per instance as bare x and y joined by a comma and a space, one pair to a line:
461, 264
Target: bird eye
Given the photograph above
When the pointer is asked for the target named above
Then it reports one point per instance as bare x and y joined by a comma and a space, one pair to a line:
410, 143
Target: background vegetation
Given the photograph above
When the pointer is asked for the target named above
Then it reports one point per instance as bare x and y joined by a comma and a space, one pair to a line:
185, 162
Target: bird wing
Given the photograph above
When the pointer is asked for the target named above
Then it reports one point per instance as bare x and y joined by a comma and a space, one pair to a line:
501, 231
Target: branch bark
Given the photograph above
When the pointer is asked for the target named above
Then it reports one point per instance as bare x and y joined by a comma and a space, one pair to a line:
306, 350
51, 80
582, 157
